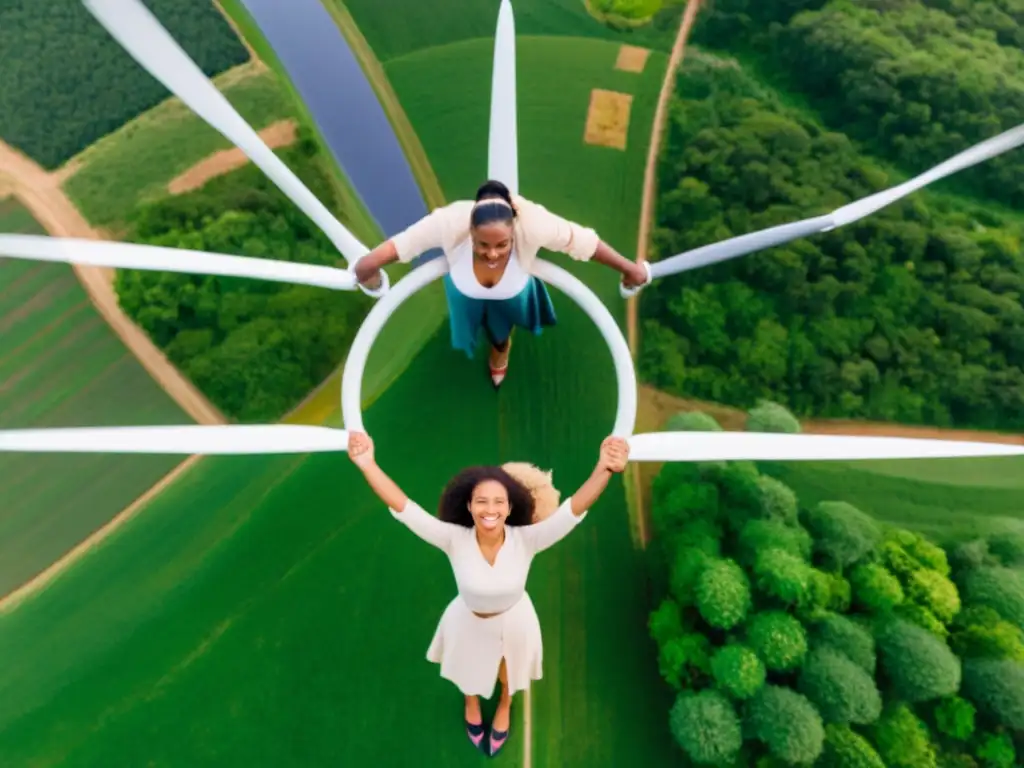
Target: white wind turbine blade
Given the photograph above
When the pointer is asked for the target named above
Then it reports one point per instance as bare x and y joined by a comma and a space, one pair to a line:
145, 39
760, 446
503, 143
188, 439
160, 259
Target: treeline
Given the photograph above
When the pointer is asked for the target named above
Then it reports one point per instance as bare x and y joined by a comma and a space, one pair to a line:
911, 315
917, 81
797, 636
65, 82
254, 348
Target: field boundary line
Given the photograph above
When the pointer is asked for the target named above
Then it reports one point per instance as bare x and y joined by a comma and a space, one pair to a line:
639, 522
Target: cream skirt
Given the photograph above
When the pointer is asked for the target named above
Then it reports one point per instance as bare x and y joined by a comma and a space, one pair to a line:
470, 648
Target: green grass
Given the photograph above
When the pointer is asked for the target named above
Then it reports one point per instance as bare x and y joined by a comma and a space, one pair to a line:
406, 26
948, 500
135, 163
61, 365
268, 611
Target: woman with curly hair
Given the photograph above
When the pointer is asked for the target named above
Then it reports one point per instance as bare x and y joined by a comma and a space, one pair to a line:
491, 243
491, 522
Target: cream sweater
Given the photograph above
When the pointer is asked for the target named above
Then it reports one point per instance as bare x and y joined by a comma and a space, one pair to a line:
535, 228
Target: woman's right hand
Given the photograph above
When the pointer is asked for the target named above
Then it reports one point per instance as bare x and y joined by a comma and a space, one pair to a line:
369, 279
360, 449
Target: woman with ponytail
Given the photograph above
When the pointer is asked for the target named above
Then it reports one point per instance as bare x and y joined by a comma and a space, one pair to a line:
491, 243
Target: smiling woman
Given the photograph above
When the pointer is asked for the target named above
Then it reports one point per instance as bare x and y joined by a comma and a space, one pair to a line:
491, 244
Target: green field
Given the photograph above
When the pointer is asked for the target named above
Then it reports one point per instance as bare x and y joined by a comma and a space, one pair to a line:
135, 163
275, 601
62, 365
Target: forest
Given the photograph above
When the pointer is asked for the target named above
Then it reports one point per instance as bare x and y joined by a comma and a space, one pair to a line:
912, 315
796, 636
915, 81
67, 82
254, 348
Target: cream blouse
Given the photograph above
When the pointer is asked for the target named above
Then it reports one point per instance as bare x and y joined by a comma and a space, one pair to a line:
535, 228
487, 588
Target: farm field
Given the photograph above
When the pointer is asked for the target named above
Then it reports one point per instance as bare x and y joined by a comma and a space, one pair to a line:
61, 365
283, 585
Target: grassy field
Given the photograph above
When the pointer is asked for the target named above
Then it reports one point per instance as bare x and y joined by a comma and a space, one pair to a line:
61, 365
274, 600
136, 162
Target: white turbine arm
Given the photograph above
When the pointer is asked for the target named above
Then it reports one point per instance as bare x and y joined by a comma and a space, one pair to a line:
151, 45
503, 144
760, 446
847, 214
155, 258
188, 439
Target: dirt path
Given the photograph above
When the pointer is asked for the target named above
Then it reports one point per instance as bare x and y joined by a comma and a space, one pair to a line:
276, 135
42, 195
646, 215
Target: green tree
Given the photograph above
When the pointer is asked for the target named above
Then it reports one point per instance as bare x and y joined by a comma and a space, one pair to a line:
706, 727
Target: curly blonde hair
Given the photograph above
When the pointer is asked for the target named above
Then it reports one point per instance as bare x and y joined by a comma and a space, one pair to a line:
539, 484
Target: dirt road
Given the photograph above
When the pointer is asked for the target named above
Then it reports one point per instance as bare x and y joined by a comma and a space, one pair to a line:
40, 192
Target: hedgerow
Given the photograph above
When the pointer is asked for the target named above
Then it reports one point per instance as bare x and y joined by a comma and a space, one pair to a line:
835, 640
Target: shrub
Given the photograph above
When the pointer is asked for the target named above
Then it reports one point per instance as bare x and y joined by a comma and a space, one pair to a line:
685, 660
684, 506
772, 417
996, 688
778, 639
665, 622
778, 501
926, 553
838, 632
686, 567
954, 717
692, 421
843, 534
845, 748
740, 491
897, 559
997, 751
902, 739
723, 594
874, 588
786, 723
738, 671
935, 592
842, 691
923, 618
970, 555
980, 632
1001, 589
782, 576
919, 665
706, 726
1008, 548
761, 535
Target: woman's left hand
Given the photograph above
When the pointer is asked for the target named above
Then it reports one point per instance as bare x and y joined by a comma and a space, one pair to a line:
614, 454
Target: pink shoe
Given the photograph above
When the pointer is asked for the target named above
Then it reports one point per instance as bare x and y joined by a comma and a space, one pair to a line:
498, 739
498, 374
475, 733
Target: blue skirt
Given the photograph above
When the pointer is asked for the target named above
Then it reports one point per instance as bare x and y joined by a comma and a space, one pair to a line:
531, 309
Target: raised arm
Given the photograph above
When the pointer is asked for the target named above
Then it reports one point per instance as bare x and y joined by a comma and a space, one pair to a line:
415, 518
613, 457
418, 238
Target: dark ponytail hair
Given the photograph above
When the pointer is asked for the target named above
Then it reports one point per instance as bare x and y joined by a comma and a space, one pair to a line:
494, 212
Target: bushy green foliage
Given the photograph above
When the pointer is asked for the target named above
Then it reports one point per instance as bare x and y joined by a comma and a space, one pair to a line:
980, 632
1007, 548
692, 421
685, 659
786, 723
874, 588
842, 533
723, 594
920, 666
1001, 589
935, 592
782, 576
759, 536
738, 671
954, 718
778, 639
910, 315
665, 622
842, 691
633, 10
969, 555
997, 751
255, 348
845, 748
842, 634
67, 82
772, 417
996, 688
922, 617
902, 740
706, 726
687, 567
778, 502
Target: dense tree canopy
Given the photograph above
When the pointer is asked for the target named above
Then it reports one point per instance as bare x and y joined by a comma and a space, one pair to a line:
911, 315
67, 82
